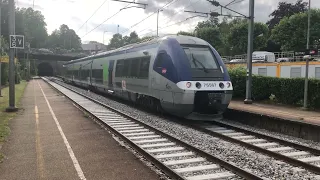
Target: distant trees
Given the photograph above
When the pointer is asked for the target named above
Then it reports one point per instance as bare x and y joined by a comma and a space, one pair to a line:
64, 38
291, 31
118, 41
286, 10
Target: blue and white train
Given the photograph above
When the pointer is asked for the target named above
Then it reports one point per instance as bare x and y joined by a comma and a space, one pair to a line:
180, 75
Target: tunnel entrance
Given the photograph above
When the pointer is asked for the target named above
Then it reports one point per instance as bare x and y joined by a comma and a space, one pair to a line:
45, 69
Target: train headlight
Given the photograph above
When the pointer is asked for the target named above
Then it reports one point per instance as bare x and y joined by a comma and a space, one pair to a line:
188, 84
198, 85
228, 84
221, 85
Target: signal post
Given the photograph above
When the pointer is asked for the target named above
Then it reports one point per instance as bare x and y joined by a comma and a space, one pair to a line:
16, 42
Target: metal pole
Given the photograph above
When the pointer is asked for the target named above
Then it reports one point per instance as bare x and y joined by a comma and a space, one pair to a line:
0, 48
28, 62
305, 99
158, 23
248, 99
11, 107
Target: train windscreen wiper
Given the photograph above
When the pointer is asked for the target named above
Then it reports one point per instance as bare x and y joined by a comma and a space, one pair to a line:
196, 60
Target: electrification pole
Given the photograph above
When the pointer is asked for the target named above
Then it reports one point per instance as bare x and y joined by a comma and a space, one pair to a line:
0, 48
158, 22
11, 107
248, 99
305, 99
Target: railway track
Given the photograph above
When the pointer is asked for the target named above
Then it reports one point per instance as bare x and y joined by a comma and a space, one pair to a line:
176, 158
285, 151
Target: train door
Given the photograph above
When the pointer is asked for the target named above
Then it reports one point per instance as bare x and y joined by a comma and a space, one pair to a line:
110, 71
163, 68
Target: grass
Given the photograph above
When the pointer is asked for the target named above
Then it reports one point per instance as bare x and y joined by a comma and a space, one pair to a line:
4, 103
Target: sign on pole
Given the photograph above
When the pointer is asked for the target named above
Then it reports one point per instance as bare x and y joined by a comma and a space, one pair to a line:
17, 41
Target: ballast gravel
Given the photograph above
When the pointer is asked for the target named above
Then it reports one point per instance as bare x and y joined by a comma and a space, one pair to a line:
257, 163
297, 140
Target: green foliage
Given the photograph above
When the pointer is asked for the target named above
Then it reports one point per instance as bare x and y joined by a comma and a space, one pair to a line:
291, 32
284, 90
31, 24
185, 33
118, 41
64, 38
211, 35
4, 73
286, 10
238, 37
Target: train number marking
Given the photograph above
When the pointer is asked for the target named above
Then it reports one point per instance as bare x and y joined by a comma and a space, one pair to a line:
206, 85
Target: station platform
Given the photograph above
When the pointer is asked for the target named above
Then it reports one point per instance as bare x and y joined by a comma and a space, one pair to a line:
52, 139
277, 111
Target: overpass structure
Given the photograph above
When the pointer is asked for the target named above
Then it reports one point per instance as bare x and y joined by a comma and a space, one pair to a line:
48, 62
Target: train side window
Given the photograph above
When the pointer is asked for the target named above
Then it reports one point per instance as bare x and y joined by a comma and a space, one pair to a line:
119, 68
144, 68
134, 69
126, 68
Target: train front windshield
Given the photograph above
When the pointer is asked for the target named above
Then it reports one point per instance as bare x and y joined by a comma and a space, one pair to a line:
201, 58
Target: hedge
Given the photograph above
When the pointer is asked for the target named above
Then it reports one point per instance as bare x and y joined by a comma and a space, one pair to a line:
281, 90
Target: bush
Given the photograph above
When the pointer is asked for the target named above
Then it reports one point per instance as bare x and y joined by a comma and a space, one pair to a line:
4, 73
284, 90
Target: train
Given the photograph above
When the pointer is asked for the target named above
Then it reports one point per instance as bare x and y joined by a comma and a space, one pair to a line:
180, 75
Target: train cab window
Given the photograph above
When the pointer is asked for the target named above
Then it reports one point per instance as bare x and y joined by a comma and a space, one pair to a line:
200, 57
159, 61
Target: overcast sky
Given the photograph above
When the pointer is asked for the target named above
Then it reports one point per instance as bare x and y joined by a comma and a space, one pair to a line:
75, 13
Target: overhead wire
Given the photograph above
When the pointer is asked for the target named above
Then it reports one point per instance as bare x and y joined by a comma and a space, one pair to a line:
105, 21
92, 14
230, 3
167, 4
170, 18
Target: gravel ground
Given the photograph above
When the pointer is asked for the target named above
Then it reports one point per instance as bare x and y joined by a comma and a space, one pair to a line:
257, 163
301, 141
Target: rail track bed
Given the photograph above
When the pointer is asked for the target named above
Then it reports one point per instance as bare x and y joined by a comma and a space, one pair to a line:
176, 158
296, 154
256, 152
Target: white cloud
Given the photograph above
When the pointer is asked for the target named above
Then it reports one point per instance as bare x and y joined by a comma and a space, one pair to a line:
75, 12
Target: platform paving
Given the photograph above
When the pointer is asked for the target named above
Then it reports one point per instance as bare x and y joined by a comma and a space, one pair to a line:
284, 112
36, 148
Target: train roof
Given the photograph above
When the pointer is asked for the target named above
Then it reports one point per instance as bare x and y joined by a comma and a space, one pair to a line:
182, 39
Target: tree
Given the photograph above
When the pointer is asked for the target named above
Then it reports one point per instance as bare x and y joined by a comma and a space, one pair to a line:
116, 41
286, 10
225, 28
64, 38
211, 35
185, 33
238, 37
212, 22
32, 25
132, 38
291, 32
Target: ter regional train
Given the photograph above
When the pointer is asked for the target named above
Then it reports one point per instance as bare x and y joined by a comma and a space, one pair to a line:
180, 75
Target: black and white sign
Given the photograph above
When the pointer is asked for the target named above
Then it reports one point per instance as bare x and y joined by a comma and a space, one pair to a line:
17, 41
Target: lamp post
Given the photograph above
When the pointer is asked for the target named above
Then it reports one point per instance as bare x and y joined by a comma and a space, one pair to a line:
103, 36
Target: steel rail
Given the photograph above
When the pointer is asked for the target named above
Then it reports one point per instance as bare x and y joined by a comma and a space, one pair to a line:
227, 165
